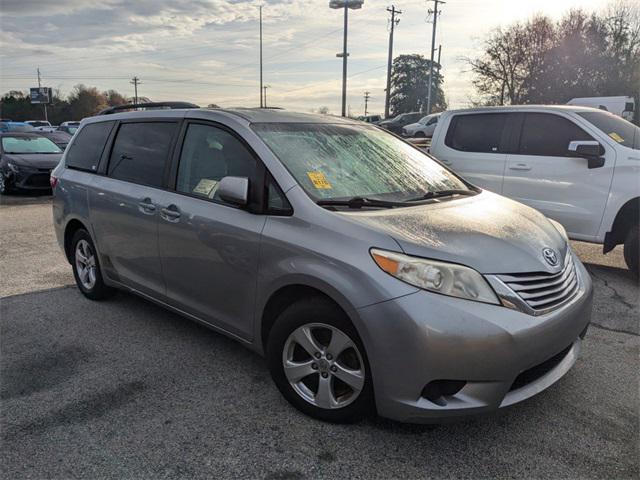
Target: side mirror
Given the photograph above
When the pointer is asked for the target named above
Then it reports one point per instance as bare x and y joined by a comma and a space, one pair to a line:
234, 190
591, 150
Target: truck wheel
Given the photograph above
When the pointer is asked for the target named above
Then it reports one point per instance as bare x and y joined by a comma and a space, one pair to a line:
632, 250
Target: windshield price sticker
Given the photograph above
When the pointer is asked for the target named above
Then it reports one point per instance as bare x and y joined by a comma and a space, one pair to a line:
319, 180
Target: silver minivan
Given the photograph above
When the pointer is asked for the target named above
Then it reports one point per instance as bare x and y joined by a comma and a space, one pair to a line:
371, 277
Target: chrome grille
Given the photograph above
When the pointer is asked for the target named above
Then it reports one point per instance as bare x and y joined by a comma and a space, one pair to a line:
545, 291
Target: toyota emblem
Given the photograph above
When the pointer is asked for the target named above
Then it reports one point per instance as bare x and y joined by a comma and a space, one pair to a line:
550, 256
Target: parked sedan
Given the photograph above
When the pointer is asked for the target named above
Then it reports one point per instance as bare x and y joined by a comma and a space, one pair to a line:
396, 123
422, 129
16, 127
26, 161
69, 127
60, 137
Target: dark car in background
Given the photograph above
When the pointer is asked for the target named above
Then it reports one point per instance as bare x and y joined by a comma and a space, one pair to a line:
60, 137
69, 127
26, 161
396, 123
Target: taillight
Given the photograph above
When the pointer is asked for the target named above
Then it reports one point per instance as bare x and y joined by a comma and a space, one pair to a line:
53, 180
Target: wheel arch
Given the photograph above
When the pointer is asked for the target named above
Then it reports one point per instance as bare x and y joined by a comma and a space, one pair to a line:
627, 216
286, 295
69, 231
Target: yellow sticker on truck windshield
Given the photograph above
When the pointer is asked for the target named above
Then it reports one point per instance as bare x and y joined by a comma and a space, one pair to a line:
319, 180
616, 137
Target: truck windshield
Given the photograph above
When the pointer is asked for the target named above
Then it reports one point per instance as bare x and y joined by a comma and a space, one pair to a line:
620, 130
338, 161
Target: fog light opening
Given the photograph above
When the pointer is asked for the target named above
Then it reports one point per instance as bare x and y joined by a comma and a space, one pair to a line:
437, 391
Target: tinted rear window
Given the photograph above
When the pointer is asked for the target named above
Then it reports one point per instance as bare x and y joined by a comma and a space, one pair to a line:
140, 152
86, 150
476, 133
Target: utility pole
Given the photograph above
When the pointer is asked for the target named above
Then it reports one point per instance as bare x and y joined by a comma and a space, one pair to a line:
433, 49
135, 81
265, 96
262, 103
46, 117
394, 22
366, 102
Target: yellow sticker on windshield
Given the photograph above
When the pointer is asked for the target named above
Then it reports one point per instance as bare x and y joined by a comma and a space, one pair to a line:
616, 137
319, 180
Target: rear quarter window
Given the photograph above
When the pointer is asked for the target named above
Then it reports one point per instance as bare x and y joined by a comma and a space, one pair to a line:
86, 150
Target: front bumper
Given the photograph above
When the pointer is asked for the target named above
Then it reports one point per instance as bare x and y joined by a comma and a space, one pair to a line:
503, 355
29, 178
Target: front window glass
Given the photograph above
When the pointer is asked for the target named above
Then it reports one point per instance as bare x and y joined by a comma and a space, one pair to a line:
549, 135
208, 155
620, 130
345, 161
29, 145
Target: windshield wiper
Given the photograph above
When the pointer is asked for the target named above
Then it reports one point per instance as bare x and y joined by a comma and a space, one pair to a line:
359, 202
442, 193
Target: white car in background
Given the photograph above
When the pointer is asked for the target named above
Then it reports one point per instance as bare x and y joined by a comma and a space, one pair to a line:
577, 165
422, 128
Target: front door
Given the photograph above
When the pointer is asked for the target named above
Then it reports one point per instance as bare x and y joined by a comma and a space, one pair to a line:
210, 249
541, 174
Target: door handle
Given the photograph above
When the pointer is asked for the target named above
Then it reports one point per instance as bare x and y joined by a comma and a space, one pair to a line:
146, 207
520, 166
170, 213
446, 162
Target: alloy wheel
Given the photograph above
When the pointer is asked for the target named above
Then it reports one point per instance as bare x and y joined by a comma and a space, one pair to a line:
86, 264
323, 365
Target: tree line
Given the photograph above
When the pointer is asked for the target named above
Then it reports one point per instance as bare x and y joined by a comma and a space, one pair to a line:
82, 102
581, 55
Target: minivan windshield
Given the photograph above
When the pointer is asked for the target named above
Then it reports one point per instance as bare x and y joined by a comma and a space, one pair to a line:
17, 145
341, 161
619, 129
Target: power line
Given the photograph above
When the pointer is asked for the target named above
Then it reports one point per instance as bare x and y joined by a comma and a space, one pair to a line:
366, 101
394, 22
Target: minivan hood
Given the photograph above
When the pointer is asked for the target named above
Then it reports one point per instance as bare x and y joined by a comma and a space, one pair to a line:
487, 232
36, 160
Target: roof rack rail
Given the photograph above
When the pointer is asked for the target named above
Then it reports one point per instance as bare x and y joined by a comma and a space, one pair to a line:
149, 105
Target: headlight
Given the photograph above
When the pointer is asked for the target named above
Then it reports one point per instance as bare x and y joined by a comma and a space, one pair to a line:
440, 277
561, 230
13, 167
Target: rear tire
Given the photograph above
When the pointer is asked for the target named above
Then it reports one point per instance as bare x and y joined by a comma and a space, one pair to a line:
86, 267
632, 249
347, 395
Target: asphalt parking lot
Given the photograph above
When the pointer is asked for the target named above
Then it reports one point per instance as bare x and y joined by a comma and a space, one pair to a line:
124, 389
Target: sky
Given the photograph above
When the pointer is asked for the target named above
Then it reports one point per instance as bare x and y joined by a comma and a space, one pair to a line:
207, 51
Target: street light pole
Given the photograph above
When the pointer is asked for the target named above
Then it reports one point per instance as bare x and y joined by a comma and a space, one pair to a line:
344, 61
345, 5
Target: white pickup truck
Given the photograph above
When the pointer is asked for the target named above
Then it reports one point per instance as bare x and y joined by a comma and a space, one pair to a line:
577, 165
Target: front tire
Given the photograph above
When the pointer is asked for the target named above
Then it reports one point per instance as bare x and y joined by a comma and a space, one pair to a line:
632, 249
5, 185
86, 267
318, 362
